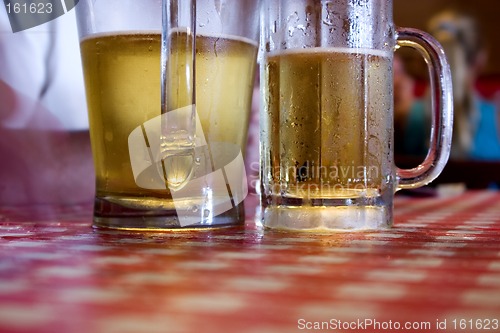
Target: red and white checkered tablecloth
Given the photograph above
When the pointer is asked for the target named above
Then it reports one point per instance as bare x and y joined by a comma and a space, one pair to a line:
437, 270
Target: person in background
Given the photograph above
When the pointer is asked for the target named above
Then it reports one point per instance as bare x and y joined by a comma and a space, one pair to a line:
476, 120
44, 139
476, 129
411, 124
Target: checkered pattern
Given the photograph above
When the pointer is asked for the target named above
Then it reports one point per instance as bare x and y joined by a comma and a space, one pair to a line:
441, 261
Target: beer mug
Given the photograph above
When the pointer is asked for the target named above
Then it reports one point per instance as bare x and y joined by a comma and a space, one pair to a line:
169, 86
327, 159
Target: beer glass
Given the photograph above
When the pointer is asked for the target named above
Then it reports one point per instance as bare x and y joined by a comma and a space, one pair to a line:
169, 86
327, 158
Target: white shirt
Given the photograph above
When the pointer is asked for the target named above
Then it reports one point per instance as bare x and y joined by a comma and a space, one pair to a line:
42, 65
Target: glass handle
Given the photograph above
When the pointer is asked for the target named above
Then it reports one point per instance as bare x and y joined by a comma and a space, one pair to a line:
441, 106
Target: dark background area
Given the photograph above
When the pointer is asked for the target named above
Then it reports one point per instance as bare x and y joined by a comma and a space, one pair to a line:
416, 14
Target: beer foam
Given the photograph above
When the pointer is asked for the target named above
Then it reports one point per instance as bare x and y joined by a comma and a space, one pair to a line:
364, 51
120, 33
224, 36
158, 32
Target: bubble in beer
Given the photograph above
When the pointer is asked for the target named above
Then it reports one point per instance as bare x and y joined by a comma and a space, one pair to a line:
178, 169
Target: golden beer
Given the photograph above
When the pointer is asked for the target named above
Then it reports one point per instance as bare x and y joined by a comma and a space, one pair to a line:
122, 78
327, 123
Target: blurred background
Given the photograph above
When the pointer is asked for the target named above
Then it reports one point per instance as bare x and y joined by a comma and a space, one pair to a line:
417, 14
468, 32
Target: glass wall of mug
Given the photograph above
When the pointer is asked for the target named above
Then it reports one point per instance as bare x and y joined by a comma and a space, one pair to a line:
147, 178
327, 114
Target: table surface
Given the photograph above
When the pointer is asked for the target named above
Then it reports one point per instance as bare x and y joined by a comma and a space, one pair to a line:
438, 269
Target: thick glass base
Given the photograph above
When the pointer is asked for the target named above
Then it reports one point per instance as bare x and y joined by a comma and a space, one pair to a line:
153, 214
352, 214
